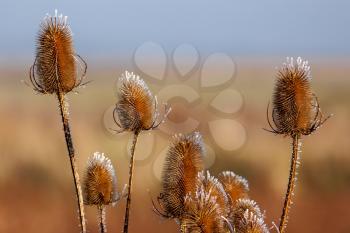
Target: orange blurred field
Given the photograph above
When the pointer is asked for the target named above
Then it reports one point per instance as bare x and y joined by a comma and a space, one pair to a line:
36, 191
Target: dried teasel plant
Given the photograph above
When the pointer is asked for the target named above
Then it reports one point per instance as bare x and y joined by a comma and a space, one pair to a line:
295, 112
135, 111
179, 177
55, 71
100, 186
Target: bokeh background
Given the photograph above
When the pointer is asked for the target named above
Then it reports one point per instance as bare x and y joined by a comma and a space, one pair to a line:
36, 191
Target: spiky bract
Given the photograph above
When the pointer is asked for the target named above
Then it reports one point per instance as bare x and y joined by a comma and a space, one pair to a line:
182, 164
100, 181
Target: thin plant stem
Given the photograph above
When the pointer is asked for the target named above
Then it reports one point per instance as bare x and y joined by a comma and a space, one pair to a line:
70, 147
102, 219
291, 183
131, 170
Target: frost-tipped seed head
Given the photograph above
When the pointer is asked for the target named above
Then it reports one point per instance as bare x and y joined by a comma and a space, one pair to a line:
251, 223
235, 186
182, 164
55, 67
293, 100
211, 184
241, 206
136, 105
202, 213
100, 181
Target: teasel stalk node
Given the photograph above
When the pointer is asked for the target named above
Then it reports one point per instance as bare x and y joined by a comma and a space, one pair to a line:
100, 186
135, 111
295, 112
55, 71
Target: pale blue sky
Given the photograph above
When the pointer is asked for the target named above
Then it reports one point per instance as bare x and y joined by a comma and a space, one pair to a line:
244, 27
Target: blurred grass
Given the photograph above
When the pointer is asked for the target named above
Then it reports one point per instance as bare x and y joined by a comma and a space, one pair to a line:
35, 180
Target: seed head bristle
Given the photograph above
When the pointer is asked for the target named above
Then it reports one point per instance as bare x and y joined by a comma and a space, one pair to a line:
235, 186
55, 67
212, 185
182, 164
136, 106
100, 181
202, 213
293, 100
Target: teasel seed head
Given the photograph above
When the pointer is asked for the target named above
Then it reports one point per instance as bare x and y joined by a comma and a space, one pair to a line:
235, 186
136, 108
212, 185
240, 207
100, 181
55, 66
295, 108
179, 178
251, 223
202, 213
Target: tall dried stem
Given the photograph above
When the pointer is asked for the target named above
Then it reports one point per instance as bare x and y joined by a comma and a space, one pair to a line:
102, 219
131, 170
67, 134
294, 164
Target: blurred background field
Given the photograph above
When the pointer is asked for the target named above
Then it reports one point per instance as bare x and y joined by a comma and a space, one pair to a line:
36, 192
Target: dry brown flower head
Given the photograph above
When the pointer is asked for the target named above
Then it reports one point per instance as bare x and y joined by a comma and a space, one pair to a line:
100, 181
182, 164
295, 108
216, 189
235, 186
55, 66
202, 213
137, 108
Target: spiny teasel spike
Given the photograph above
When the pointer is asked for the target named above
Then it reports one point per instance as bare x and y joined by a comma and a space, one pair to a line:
183, 162
54, 72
